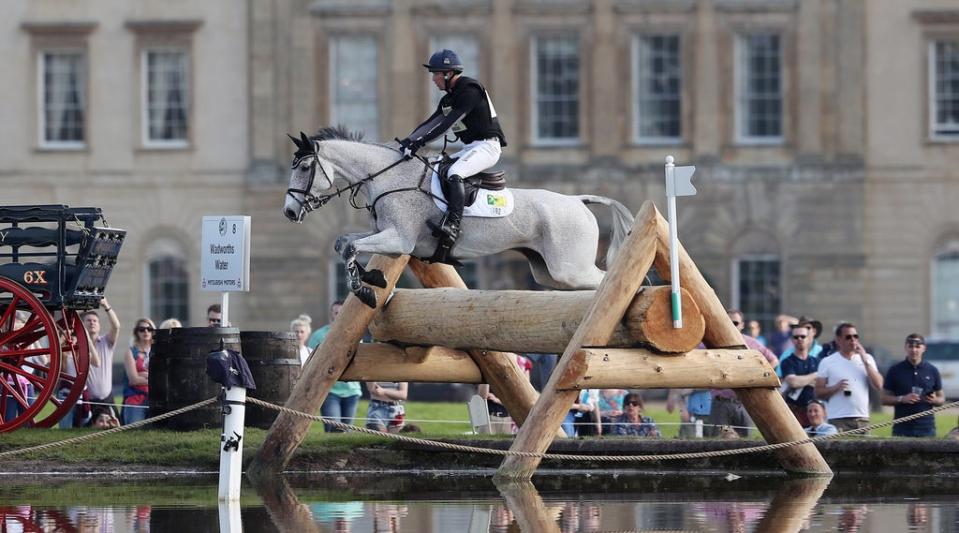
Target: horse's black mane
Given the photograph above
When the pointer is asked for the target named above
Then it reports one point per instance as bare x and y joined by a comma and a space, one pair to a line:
339, 132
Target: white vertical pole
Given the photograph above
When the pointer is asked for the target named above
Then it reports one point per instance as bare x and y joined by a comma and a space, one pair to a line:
230, 519
673, 244
231, 445
225, 310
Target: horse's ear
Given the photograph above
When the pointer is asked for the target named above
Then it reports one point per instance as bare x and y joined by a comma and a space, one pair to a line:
295, 140
307, 143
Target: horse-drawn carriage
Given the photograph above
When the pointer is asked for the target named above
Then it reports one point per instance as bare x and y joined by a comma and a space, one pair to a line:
55, 261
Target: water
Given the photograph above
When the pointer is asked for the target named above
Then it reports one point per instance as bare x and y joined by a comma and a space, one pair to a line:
453, 503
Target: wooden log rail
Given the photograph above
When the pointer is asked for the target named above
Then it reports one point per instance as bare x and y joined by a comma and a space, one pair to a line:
606, 368
530, 321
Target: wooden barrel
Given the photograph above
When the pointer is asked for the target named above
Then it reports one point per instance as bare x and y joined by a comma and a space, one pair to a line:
274, 361
178, 375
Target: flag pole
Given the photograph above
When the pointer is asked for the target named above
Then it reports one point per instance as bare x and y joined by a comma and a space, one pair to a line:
673, 243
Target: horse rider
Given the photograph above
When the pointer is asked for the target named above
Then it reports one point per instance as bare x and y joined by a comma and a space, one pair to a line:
467, 109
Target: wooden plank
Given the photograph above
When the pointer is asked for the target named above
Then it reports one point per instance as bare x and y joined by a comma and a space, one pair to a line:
765, 406
636, 368
616, 291
319, 374
436, 364
529, 321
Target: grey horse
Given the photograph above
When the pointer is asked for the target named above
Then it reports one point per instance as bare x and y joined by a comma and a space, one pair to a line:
557, 233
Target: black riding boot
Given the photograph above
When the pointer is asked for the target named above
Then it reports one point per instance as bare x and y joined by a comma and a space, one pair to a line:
449, 229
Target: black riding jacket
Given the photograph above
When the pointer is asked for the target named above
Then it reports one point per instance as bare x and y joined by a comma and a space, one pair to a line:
468, 110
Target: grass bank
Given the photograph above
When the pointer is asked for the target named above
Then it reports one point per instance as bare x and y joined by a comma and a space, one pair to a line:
197, 449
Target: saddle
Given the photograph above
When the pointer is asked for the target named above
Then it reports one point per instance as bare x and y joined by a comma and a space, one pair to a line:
494, 180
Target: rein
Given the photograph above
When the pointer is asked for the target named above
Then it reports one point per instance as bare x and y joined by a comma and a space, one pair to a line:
312, 202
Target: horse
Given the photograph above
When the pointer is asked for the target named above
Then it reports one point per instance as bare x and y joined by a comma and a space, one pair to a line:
557, 233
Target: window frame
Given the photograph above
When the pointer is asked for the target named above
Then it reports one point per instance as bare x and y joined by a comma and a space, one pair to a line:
736, 276
42, 142
333, 43
166, 248
739, 68
535, 138
637, 136
935, 134
163, 144
951, 248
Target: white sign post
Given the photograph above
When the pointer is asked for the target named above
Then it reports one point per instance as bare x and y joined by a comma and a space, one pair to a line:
225, 268
678, 183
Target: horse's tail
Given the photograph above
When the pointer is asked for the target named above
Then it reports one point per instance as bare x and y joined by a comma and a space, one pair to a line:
622, 222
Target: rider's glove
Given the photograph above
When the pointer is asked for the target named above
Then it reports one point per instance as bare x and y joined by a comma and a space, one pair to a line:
409, 148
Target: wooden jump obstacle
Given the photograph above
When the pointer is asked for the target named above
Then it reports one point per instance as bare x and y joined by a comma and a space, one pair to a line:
619, 336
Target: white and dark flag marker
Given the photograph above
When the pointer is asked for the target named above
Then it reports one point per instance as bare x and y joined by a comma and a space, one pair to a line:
678, 183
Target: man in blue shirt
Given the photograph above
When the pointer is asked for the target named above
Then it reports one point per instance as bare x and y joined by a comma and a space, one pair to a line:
799, 373
913, 386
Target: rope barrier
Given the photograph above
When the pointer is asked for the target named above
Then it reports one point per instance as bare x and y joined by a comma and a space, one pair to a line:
598, 458
486, 451
91, 436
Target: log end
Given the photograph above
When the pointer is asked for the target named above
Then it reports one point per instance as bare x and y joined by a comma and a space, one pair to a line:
656, 326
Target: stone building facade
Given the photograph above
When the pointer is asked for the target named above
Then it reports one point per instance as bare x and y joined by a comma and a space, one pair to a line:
824, 132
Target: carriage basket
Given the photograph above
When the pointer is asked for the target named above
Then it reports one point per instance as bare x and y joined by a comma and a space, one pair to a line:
59, 253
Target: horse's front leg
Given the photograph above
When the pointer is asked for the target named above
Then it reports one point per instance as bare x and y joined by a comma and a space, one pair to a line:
387, 242
374, 277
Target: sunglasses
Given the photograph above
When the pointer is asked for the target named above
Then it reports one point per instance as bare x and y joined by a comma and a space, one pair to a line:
852, 336
142, 329
799, 337
634, 404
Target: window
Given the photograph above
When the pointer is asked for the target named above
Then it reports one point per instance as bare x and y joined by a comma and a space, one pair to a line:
759, 89
944, 89
555, 87
166, 97
354, 65
758, 291
945, 293
657, 84
63, 97
169, 289
465, 46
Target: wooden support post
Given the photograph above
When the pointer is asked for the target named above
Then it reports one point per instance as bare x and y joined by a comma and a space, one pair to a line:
636, 368
529, 321
512, 387
524, 500
792, 504
616, 291
765, 405
322, 370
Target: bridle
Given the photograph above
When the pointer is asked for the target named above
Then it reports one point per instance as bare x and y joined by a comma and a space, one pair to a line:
312, 202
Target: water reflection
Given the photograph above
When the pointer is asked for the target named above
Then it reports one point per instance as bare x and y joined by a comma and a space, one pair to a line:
447, 504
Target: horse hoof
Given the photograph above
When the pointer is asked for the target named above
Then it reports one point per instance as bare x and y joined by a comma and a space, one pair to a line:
367, 296
374, 278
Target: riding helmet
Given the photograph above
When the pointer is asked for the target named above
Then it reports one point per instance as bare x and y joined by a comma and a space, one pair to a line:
443, 61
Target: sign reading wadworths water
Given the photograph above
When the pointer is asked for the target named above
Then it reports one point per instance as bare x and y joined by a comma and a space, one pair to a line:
225, 254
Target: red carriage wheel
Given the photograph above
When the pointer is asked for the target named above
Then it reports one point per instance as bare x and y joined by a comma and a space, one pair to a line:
73, 343
29, 355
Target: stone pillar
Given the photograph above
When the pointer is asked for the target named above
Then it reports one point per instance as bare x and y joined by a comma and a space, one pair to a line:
607, 76
707, 126
263, 94
808, 102
501, 70
406, 98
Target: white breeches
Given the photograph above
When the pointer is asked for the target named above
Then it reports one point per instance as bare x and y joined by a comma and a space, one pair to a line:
475, 157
